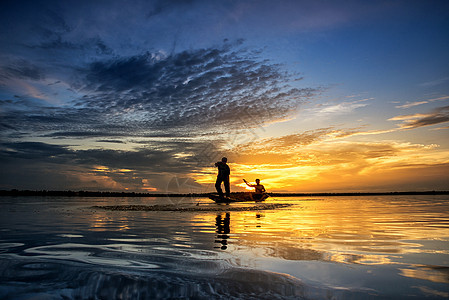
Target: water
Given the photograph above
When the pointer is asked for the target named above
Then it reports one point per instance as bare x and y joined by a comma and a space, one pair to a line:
383, 247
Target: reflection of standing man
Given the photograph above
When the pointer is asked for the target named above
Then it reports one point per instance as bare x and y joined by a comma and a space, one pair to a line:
223, 176
223, 229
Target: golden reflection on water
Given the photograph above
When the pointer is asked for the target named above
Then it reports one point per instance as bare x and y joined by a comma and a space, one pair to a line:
101, 222
366, 231
435, 274
409, 235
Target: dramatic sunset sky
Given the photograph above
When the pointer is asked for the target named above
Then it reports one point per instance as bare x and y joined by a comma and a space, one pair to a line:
308, 96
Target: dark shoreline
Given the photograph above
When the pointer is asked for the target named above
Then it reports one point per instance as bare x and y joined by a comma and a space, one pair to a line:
45, 193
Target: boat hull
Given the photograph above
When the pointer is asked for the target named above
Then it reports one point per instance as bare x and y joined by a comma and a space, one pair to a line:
238, 197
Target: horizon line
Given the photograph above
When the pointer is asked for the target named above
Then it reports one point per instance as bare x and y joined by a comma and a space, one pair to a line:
70, 193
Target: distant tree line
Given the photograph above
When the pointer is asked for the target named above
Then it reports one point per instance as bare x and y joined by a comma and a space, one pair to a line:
69, 193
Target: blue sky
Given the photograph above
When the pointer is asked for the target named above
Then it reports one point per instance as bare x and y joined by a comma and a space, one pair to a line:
115, 95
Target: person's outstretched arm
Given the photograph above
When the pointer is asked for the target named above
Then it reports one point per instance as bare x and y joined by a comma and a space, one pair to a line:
250, 185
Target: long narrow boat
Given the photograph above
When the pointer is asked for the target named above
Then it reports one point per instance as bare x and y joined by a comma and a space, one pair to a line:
237, 197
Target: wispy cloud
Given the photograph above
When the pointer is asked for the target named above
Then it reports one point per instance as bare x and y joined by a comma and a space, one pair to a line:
201, 87
21, 69
437, 116
435, 82
412, 104
331, 109
188, 93
441, 128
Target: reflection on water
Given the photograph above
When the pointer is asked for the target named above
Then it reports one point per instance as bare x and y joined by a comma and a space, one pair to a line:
340, 230
223, 224
432, 273
223, 229
341, 248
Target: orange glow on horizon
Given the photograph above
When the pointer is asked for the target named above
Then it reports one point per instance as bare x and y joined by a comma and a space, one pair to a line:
337, 165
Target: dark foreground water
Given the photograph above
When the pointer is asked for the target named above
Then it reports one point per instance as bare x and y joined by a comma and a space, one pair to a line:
384, 247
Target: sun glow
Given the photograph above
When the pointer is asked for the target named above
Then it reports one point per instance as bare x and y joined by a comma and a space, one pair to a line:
334, 164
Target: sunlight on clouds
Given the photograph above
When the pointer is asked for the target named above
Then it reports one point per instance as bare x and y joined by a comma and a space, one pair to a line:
50, 91
147, 186
333, 164
182, 155
33, 91
408, 117
104, 169
204, 178
416, 103
436, 116
324, 160
274, 177
101, 169
93, 180
440, 128
440, 98
246, 187
411, 104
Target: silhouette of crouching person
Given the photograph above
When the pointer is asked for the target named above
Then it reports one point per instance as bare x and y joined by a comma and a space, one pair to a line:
223, 176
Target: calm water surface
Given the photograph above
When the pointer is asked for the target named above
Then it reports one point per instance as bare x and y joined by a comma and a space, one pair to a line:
384, 247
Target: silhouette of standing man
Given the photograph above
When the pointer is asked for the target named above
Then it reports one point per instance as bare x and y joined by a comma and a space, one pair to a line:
223, 176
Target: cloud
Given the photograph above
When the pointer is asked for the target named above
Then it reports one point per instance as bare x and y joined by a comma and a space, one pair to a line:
285, 143
293, 162
325, 163
437, 116
139, 169
148, 167
439, 98
441, 128
31, 150
153, 93
412, 104
290, 150
435, 82
111, 141
331, 109
21, 69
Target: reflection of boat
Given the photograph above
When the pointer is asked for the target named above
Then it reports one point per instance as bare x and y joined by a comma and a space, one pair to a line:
239, 197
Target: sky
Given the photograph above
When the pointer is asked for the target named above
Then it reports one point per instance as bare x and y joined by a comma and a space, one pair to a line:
145, 96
